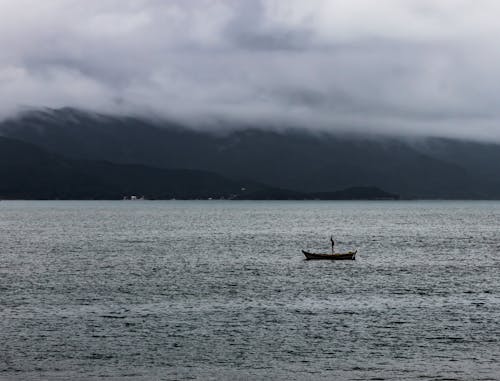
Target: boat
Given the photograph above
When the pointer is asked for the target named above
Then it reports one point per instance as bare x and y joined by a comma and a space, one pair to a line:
337, 256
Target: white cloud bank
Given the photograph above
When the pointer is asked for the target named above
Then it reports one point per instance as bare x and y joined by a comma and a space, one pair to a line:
396, 66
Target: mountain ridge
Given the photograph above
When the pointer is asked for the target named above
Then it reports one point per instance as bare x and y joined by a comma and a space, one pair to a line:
290, 159
29, 172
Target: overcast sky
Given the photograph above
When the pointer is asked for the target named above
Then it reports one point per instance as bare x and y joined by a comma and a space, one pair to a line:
402, 66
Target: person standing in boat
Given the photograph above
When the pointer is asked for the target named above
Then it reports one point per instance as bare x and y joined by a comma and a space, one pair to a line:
333, 244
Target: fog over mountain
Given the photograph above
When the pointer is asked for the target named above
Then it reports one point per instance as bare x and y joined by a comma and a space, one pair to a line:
292, 159
403, 67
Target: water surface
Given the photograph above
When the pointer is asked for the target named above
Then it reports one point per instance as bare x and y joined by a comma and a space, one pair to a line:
219, 290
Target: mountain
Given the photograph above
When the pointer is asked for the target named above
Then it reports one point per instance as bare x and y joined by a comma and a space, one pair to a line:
29, 172
299, 160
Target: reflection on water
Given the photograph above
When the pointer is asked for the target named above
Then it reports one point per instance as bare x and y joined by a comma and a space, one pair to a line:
221, 290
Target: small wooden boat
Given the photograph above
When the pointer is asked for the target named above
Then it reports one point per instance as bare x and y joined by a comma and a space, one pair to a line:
339, 256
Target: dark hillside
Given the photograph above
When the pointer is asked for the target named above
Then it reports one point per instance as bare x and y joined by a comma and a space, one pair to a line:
28, 172
291, 159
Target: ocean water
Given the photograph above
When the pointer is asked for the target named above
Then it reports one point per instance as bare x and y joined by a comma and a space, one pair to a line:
219, 290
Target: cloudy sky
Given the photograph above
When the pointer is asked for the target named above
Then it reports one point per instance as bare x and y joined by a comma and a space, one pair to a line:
402, 66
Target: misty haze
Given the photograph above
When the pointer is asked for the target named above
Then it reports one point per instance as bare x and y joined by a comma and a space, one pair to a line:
172, 172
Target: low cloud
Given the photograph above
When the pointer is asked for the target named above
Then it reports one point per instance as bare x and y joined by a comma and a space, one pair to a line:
390, 66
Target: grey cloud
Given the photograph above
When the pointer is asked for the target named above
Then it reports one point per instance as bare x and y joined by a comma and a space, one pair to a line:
390, 66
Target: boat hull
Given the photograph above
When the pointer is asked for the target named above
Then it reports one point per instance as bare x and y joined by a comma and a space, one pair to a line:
341, 256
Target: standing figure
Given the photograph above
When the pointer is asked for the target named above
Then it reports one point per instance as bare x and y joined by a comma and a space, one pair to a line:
333, 244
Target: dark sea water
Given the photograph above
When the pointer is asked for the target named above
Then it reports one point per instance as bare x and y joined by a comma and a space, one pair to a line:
219, 290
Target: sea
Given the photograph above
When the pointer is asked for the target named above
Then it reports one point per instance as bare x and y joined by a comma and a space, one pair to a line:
220, 290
